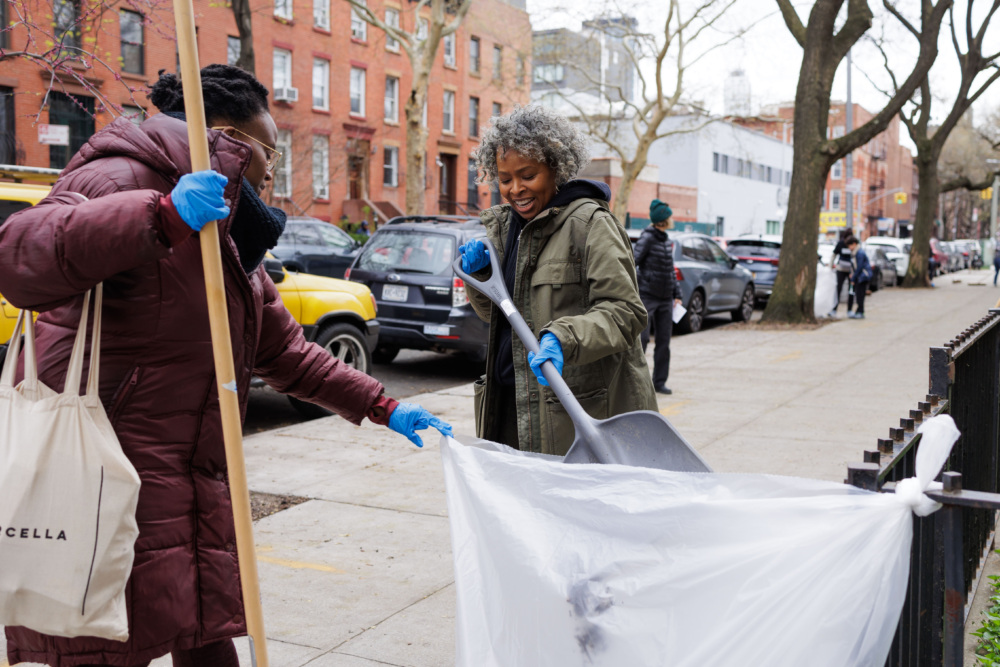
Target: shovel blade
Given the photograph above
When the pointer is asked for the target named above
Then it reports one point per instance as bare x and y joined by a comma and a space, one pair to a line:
645, 439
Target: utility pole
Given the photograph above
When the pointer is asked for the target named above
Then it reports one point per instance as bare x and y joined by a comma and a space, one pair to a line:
849, 162
989, 251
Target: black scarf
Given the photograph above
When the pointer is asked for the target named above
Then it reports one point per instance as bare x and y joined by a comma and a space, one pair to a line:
256, 226
567, 194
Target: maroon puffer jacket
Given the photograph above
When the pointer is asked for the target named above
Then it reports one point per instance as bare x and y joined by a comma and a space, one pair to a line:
157, 373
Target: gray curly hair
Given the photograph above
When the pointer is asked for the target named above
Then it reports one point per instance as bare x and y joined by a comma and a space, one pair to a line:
537, 133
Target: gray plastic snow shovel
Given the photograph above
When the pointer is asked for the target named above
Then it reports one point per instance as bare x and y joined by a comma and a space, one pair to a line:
642, 438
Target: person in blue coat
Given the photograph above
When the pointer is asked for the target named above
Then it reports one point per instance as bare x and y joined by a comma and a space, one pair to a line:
860, 278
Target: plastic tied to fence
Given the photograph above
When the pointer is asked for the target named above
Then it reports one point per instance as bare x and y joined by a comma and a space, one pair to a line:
608, 565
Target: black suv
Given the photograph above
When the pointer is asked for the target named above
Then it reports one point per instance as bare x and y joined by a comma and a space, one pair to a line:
312, 246
422, 304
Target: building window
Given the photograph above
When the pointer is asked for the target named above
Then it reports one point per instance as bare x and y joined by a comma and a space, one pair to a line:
233, 50
357, 91
321, 14
130, 30
66, 16
549, 73
282, 75
283, 170
4, 34
359, 27
8, 136
422, 29
448, 112
321, 166
724, 164
390, 167
473, 116
497, 109
520, 69
134, 114
321, 84
283, 9
838, 170
391, 20
474, 55
497, 63
472, 190
495, 198
449, 50
773, 227
715, 162
78, 113
835, 200
392, 99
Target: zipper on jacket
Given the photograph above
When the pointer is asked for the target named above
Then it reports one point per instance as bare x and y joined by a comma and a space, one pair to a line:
124, 396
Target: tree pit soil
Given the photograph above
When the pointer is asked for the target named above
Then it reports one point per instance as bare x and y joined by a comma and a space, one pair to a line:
783, 326
266, 504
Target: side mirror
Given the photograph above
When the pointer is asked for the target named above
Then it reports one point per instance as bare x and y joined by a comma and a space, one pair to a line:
275, 269
732, 261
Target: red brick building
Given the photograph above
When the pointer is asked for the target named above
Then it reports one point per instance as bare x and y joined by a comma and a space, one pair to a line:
338, 89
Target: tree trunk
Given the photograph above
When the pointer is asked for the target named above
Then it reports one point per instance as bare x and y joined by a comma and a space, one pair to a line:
630, 172
244, 25
793, 295
923, 225
416, 147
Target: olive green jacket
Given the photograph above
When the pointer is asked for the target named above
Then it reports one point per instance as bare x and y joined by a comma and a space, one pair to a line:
575, 277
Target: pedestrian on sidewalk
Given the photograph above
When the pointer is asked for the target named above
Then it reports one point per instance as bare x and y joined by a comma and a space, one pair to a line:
658, 288
567, 263
996, 266
134, 230
841, 262
860, 278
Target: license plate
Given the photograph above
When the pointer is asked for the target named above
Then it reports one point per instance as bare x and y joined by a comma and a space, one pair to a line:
435, 330
395, 292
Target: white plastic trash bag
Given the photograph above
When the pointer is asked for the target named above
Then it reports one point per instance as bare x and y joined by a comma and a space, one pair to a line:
67, 500
825, 297
606, 565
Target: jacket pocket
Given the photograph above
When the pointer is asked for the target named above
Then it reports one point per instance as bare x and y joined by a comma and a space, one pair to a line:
124, 394
559, 426
556, 291
479, 405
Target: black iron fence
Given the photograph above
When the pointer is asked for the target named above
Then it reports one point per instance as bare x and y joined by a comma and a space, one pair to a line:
949, 546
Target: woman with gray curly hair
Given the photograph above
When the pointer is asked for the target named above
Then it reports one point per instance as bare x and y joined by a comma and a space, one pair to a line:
568, 266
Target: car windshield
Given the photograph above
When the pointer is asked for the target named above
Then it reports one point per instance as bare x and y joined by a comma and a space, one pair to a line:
741, 248
408, 252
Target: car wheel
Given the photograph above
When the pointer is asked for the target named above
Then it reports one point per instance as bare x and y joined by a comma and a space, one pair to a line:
876, 282
347, 343
695, 315
745, 311
384, 354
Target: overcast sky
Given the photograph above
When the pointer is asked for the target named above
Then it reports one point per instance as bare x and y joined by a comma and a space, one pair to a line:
771, 58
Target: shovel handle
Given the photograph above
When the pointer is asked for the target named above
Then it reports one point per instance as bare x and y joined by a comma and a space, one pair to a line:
495, 289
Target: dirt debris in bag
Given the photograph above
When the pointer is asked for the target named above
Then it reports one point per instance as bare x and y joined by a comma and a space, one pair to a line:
266, 504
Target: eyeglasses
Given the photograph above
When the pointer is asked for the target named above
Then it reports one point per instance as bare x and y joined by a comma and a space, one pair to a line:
272, 155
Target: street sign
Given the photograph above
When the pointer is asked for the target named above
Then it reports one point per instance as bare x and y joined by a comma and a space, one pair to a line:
53, 135
853, 186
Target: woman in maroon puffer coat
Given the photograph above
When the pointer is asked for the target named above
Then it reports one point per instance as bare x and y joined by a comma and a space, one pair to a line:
135, 232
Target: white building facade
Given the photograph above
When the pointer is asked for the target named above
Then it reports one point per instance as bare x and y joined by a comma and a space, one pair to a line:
742, 176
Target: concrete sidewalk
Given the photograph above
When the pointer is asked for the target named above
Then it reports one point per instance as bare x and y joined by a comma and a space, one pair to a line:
361, 574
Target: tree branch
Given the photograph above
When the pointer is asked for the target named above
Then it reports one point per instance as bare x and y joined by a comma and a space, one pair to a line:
793, 21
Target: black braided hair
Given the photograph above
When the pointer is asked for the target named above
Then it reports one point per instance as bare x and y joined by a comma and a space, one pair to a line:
230, 93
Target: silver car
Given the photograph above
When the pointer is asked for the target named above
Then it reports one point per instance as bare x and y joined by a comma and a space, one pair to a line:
711, 281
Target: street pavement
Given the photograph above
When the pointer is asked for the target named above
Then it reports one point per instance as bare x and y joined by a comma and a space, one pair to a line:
361, 574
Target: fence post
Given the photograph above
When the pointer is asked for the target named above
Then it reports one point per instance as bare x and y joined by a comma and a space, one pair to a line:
942, 371
954, 578
863, 475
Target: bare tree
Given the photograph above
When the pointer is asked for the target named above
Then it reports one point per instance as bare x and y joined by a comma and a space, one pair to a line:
243, 13
420, 46
929, 140
628, 123
63, 39
824, 46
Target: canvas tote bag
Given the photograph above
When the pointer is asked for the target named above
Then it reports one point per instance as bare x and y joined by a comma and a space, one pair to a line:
67, 498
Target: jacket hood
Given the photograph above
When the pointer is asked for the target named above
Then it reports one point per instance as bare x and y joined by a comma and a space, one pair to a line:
161, 143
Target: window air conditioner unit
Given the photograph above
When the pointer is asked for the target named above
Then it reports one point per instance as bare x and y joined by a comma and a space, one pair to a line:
286, 94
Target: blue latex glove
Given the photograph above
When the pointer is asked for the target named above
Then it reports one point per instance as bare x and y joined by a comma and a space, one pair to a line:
408, 418
551, 350
198, 198
475, 256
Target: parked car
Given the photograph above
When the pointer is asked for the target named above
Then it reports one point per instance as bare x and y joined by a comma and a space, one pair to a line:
896, 250
422, 304
883, 269
312, 246
971, 253
337, 315
955, 260
711, 281
759, 254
